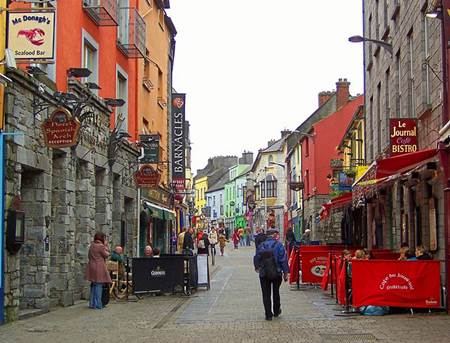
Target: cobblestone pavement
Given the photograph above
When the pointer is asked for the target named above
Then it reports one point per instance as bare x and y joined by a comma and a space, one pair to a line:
230, 312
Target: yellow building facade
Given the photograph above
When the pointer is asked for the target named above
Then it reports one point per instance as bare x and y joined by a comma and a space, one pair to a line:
200, 187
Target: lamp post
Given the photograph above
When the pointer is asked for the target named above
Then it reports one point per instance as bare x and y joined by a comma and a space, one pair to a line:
383, 44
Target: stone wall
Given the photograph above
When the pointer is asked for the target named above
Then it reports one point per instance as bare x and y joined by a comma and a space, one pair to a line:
67, 195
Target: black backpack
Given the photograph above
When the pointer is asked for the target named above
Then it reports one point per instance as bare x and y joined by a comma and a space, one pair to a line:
268, 264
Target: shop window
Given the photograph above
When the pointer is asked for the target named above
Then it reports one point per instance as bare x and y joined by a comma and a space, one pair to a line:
122, 93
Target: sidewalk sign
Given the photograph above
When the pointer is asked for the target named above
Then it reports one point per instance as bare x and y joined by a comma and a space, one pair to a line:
203, 271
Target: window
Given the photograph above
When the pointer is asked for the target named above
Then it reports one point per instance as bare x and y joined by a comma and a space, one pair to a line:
214, 200
379, 124
270, 159
160, 83
263, 189
161, 19
272, 189
122, 93
90, 57
123, 14
387, 95
411, 107
398, 85
372, 127
426, 54
377, 20
306, 147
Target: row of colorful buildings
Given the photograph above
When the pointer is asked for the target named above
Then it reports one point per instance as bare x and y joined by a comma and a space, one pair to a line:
368, 170
93, 138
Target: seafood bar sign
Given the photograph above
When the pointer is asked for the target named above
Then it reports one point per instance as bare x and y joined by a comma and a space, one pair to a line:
403, 136
31, 35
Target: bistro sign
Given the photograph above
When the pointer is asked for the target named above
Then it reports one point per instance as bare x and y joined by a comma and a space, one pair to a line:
31, 35
403, 136
61, 129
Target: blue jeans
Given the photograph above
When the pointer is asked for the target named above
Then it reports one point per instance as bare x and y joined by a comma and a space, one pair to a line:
95, 297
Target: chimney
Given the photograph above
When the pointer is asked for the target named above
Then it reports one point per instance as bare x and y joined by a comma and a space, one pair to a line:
342, 93
271, 142
247, 158
285, 133
324, 96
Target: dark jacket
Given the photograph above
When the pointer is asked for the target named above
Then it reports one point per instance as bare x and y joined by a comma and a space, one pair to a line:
290, 237
188, 243
279, 254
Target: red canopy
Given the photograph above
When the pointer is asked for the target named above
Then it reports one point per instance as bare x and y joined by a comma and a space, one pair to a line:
398, 164
336, 202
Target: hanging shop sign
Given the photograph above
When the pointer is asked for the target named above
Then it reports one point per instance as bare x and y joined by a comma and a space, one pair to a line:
178, 135
403, 136
150, 148
61, 129
147, 177
179, 185
31, 34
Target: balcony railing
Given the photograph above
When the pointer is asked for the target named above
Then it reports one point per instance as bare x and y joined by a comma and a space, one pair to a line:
102, 12
131, 33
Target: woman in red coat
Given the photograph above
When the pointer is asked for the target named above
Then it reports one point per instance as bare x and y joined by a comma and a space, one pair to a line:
96, 270
235, 238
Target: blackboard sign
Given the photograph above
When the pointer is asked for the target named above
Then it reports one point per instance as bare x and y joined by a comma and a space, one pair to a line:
163, 274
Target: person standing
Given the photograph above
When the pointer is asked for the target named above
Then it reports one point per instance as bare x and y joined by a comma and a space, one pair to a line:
222, 243
270, 262
96, 271
213, 239
306, 237
241, 236
181, 240
235, 238
248, 236
203, 245
188, 242
290, 240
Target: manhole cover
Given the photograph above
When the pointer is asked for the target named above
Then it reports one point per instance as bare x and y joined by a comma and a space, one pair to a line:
348, 338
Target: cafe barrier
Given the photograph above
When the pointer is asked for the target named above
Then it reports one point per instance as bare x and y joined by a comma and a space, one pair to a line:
313, 265
410, 284
168, 274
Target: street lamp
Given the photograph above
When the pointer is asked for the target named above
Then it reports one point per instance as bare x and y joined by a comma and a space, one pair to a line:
383, 44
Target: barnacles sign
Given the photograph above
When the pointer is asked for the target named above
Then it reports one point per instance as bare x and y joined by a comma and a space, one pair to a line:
31, 35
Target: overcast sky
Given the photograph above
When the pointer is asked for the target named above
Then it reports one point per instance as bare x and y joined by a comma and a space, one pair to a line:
252, 68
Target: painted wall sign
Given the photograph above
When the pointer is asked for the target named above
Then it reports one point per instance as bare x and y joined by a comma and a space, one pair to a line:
403, 136
61, 129
178, 136
147, 177
31, 35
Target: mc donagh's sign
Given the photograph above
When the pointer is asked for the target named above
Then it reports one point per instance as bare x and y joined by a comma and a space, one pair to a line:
403, 136
61, 129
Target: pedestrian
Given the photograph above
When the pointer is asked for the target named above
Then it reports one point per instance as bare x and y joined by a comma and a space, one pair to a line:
173, 242
235, 238
181, 240
148, 251
188, 242
96, 271
213, 239
270, 262
290, 240
203, 245
306, 237
260, 237
241, 236
248, 232
222, 243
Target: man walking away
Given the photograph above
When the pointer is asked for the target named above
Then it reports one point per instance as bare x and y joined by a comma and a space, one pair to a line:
270, 262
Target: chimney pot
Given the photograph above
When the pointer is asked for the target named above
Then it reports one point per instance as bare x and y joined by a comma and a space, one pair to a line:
342, 93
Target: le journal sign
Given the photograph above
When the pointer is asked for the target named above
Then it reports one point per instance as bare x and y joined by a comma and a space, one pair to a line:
403, 136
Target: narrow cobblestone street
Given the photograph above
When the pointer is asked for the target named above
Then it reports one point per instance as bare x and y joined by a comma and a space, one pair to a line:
230, 312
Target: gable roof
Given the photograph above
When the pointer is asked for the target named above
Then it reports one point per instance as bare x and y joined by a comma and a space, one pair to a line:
219, 184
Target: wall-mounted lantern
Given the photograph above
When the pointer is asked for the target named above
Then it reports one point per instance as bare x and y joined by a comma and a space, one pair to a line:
15, 235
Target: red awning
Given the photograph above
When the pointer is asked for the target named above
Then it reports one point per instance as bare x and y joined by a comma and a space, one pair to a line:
399, 164
336, 202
